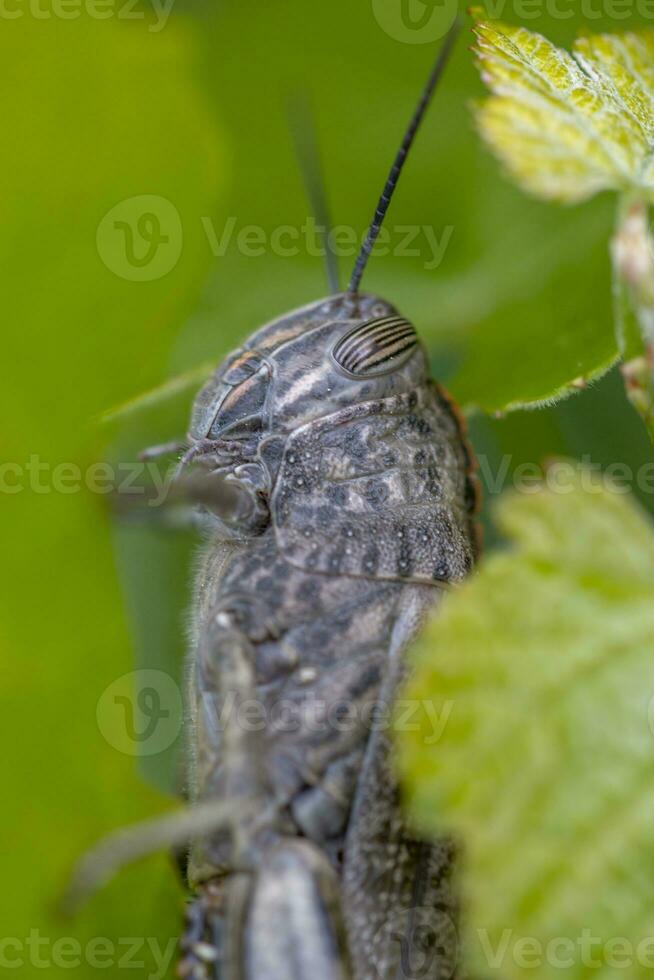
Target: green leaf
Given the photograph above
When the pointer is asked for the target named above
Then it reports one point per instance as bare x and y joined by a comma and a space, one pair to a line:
567, 127
97, 112
541, 672
529, 353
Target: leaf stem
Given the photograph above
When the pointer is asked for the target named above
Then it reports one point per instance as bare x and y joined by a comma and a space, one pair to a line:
632, 253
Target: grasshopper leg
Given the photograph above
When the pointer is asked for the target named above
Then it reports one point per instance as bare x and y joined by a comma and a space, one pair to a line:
201, 944
280, 921
293, 926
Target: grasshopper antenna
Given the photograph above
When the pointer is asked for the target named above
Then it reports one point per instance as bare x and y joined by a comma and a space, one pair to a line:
402, 153
302, 125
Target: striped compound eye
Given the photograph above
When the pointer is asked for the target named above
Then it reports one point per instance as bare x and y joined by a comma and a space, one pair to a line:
376, 346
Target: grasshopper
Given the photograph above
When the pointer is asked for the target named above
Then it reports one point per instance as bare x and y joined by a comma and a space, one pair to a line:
353, 508
338, 503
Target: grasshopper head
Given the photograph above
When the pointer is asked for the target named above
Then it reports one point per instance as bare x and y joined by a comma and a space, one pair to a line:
305, 365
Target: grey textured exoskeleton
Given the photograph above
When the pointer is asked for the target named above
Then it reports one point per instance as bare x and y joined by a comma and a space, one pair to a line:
355, 509
352, 507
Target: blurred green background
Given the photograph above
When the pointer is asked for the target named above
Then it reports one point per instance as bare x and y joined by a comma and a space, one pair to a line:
106, 102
